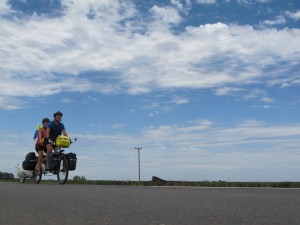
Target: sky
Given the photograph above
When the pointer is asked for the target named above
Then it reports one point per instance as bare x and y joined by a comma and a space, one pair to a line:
209, 89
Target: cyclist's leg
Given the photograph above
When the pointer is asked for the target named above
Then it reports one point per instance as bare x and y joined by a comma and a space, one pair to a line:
40, 159
39, 150
49, 148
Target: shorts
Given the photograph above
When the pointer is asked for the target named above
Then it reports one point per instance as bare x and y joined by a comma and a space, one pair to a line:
46, 142
40, 148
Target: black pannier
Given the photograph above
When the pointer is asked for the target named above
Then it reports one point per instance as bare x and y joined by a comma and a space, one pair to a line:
30, 161
72, 160
54, 161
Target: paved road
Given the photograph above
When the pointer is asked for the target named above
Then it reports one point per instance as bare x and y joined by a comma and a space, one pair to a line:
126, 205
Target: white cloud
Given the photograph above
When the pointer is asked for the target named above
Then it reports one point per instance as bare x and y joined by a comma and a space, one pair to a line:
264, 1
93, 99
182, 7
180, 100
8, 103
243, 133
206, 1
227, 90
89, 99
293, 81
256, 93
244, 2
249, 2
294, 15
66, 100
277, 21
117, 125
168, 15
116, 50
151, 114
4, 7
260, 95
266, 99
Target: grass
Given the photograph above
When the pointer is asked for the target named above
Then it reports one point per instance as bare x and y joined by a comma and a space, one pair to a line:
285, 184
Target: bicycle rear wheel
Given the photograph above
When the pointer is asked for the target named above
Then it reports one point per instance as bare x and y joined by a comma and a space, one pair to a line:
63, 172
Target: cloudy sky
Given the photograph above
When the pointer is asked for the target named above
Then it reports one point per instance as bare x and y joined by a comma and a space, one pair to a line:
210, 89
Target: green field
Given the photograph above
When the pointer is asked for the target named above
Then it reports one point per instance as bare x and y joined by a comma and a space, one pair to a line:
285, 184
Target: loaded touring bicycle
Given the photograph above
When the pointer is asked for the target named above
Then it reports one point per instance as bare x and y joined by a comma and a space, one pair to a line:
60, 163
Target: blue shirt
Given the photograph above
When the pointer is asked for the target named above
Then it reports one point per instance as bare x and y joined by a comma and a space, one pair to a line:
55, 130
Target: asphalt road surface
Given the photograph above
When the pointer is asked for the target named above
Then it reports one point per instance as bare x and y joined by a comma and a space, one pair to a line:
127, 205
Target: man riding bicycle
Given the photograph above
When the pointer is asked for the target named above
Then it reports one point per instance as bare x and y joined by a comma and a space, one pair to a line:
54, 129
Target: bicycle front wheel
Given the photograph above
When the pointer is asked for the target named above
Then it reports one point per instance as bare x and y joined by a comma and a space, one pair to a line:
63, 172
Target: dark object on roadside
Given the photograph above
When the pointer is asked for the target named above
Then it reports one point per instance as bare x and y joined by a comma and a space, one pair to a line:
30, 161
158, 181
72, 160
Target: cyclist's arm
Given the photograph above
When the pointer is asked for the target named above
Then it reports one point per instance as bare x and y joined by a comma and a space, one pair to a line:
64, 130
47, 132
64, 133
40, 136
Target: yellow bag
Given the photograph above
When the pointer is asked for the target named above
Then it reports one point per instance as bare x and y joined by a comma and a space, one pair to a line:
63, 141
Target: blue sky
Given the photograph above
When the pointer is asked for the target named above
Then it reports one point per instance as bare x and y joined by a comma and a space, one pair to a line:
208, 88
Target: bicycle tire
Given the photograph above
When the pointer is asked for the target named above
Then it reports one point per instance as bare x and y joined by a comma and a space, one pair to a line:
63, 172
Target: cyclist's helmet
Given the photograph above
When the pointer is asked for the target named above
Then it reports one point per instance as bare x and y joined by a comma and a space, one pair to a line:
58, 113
45, 120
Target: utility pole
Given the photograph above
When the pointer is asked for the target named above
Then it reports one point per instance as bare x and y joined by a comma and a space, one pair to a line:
139, 160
